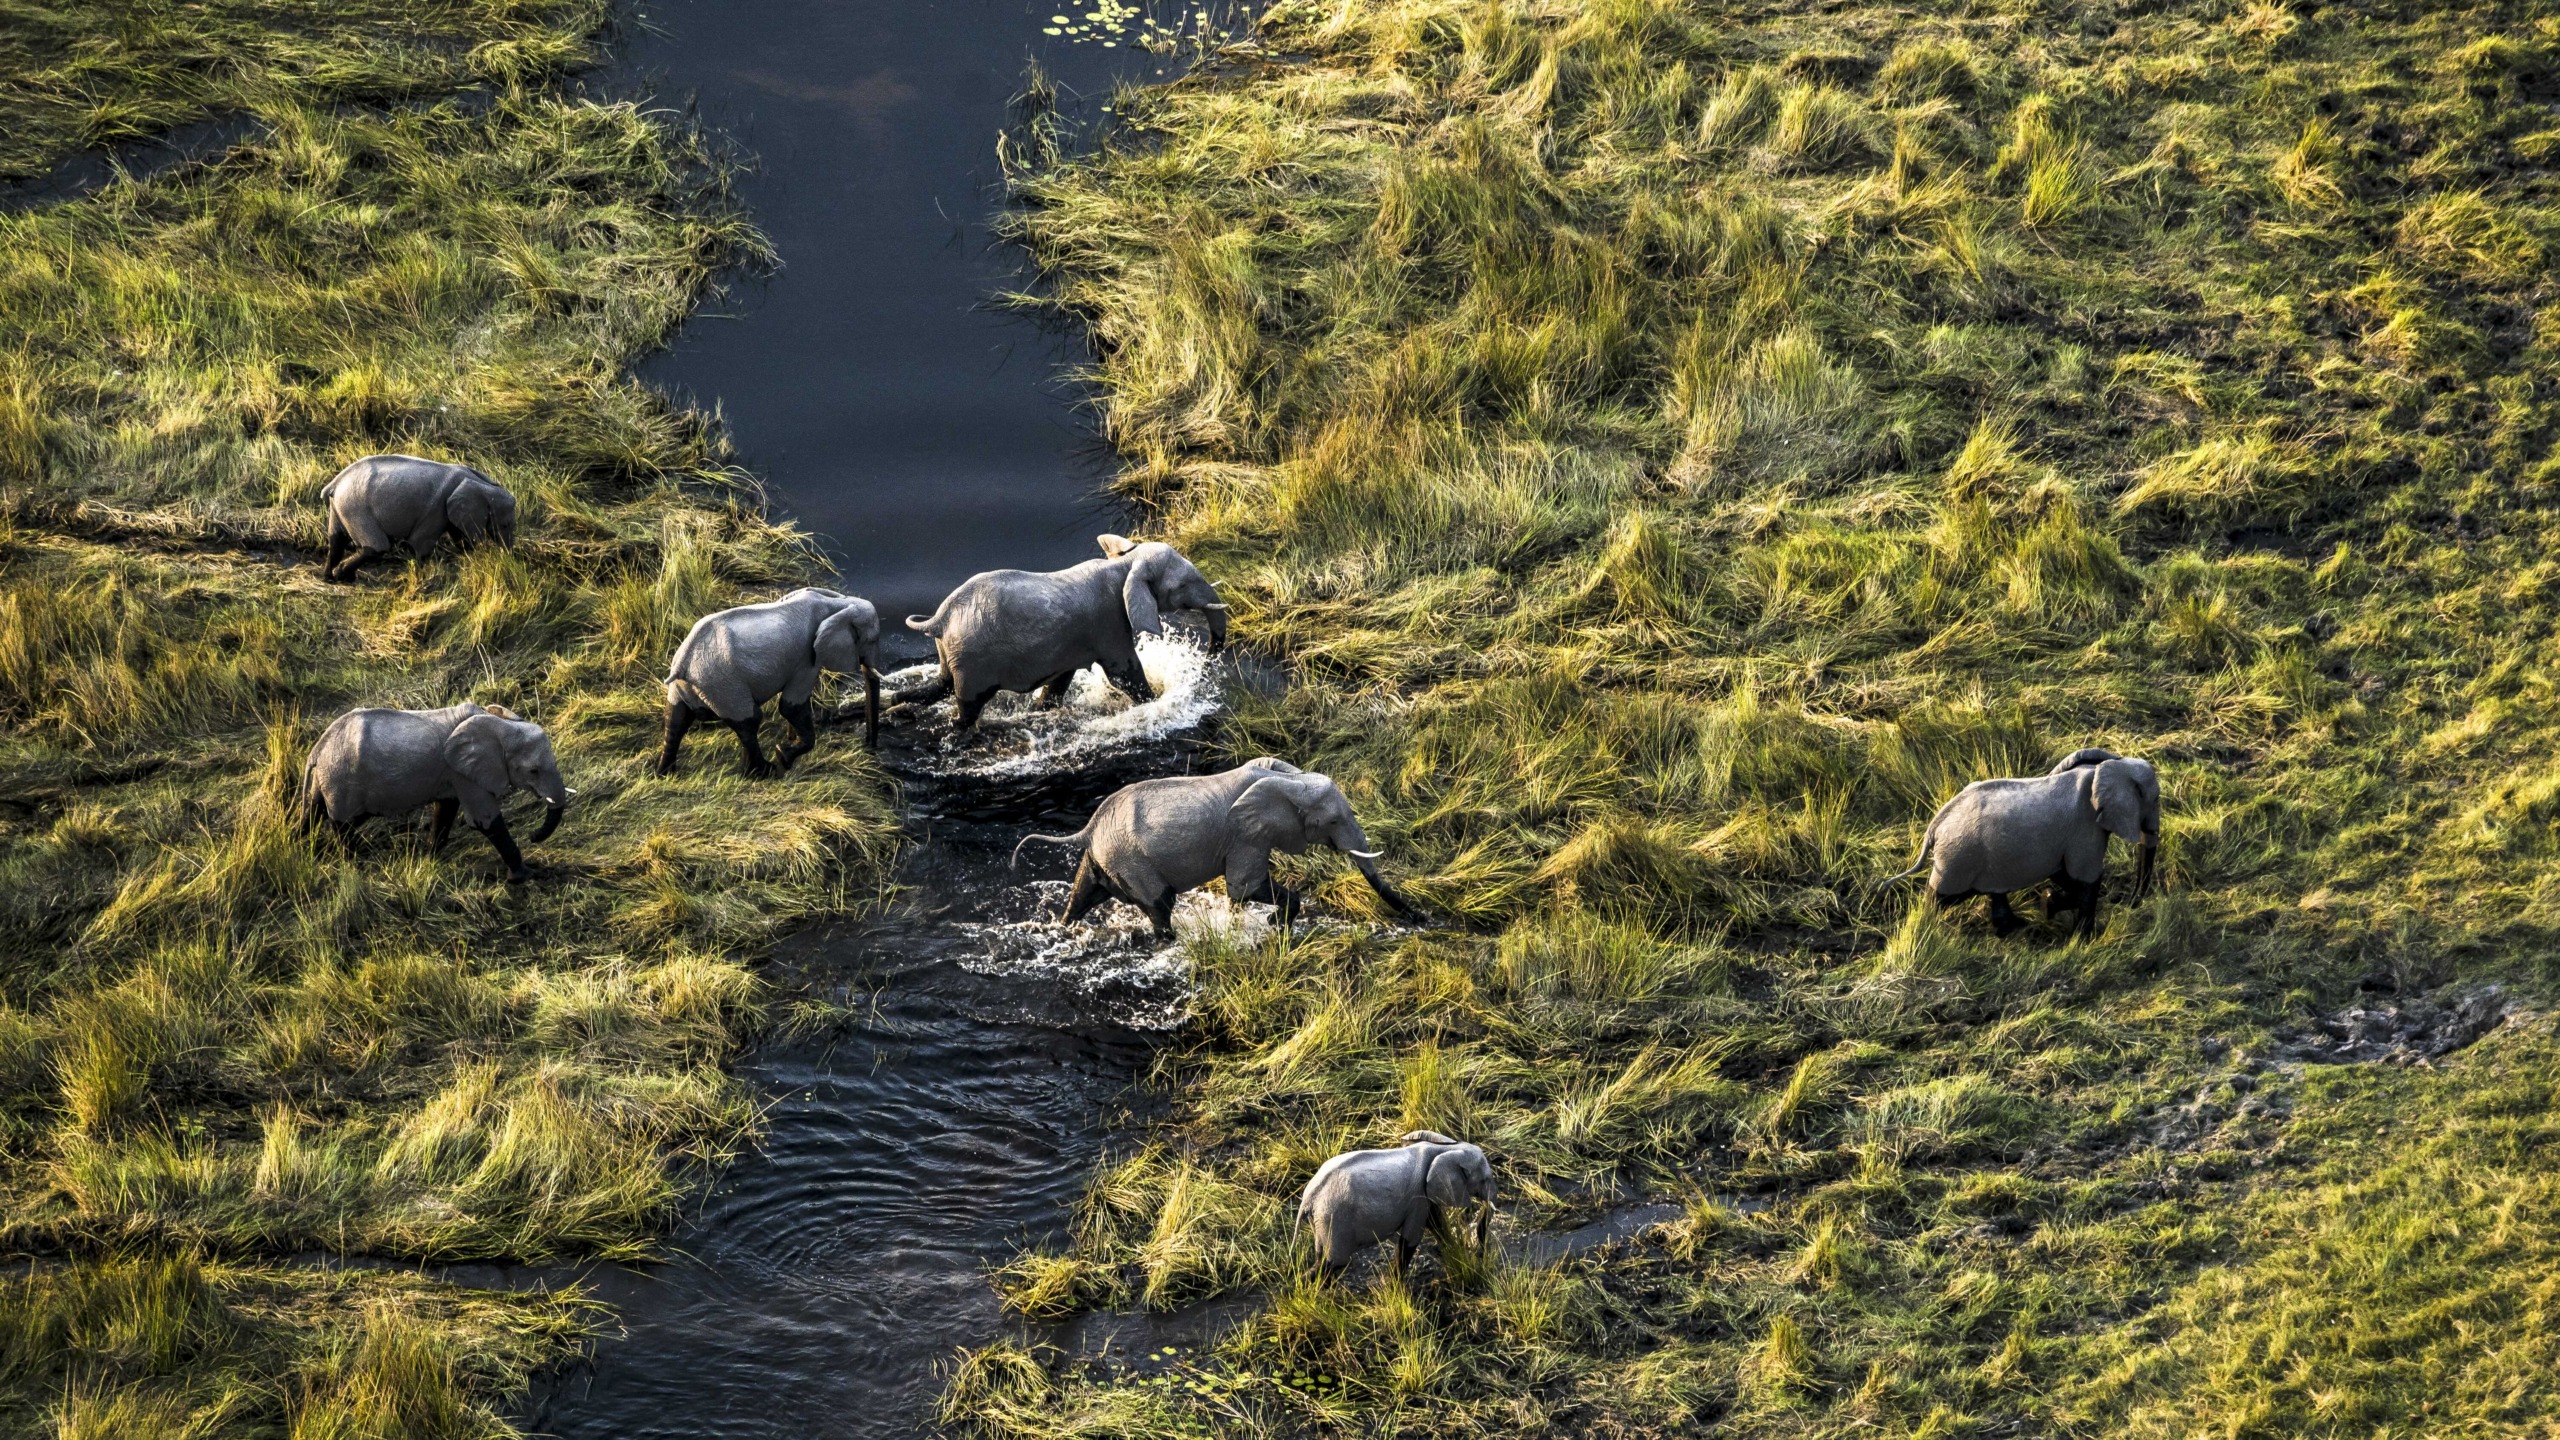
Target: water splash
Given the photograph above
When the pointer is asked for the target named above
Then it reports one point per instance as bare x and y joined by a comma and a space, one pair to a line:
1094, 722
1111, 958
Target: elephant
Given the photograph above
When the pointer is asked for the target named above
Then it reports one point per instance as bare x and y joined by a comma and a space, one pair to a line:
1021, 630
1153, 840
464, 757
733, 661
1997, 836
2148, 778
386, 500
1361, 1197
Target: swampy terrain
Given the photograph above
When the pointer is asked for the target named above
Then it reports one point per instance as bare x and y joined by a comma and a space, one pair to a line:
1660, 449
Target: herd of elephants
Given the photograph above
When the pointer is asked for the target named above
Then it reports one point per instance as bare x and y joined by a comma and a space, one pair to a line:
1020, 632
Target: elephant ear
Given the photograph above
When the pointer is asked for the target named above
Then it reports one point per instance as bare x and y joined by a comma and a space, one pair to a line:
1115, 546
1272, 763
468, 509
2119, 800
476, 753
1451, 1179
848, 639
1272, 812
1138, 597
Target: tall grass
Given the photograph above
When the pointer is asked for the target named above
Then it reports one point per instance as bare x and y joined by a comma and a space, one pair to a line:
221, 1036
1677, 446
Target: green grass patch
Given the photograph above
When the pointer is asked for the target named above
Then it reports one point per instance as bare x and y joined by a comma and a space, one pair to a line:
1676, 445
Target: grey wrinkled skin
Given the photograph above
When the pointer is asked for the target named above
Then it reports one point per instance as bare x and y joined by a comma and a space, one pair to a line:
463, 758
1361, 1197
1153, 840
1998, 836
386, 500
1021, 630
733, 661
2148, 778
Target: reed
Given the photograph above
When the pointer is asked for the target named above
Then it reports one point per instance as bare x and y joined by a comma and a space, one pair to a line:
1678, 445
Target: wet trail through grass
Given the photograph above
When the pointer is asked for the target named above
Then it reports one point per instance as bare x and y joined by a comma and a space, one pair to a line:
829, 1277
923, 434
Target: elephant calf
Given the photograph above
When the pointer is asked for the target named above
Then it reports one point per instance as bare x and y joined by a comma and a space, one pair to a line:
1021, 630
1361, 1197
1153, 840
732, 662
1998, 836
464, 757
386, 500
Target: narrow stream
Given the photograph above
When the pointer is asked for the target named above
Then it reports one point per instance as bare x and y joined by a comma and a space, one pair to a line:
829, 1277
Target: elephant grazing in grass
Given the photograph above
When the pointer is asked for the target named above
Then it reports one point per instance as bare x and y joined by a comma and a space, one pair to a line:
1999, 836
464, 758
1021, 630
733, 661
1153, 840
1361, 1197
386, 500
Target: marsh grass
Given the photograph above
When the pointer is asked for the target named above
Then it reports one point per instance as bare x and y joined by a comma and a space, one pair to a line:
222, 1037
1679, 444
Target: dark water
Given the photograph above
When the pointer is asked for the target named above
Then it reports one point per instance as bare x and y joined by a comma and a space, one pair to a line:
923, 434
830, 1277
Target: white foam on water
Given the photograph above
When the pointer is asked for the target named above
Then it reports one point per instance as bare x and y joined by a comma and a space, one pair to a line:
1114, 949
1015, 739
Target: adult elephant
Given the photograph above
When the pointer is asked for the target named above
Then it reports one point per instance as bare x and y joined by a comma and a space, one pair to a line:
2148, 779
1151, 841
463, 758
1361, 1197
1997, 836
733, 661
386, 500
1023, 630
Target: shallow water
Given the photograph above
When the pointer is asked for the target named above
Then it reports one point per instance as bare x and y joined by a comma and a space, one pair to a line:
829, 1277
922, 434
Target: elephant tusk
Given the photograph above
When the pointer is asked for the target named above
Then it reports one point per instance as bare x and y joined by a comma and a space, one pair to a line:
1220, 609
1365, 854
568, 789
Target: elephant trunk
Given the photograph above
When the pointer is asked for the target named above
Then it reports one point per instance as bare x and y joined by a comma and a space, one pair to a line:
1484, 1226
1217, 627
552, 810
2146, 865
870, 706
1367, 860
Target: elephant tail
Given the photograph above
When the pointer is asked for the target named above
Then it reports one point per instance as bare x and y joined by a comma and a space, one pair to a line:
933, 624
1919, 862
1076, 841
314, 808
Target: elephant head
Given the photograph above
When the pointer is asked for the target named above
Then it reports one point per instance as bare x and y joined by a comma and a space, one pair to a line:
848, 642
1289, 812
1160, 581
2146, 780
496, 754
1456, 1176
481, 509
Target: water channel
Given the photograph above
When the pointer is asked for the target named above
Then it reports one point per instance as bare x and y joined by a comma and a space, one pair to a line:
829, 1276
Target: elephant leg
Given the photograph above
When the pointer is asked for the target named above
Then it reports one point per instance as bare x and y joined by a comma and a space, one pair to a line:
337, 552
1053, 691
751, 759
1285, 903
1404, 1255
2004, 921
1130, 680
803, 723
968, 707
1160, 913
441, 829
355, 560
1088, 893
505, 845
680, 718
2085, 894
